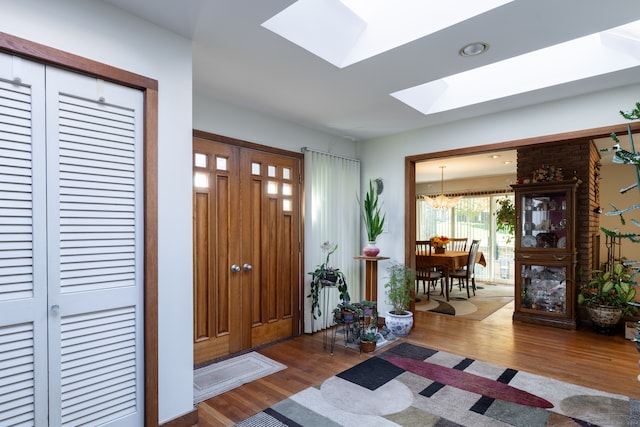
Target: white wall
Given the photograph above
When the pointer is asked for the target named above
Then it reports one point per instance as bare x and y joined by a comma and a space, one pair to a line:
96, 31
378, 159
213, 116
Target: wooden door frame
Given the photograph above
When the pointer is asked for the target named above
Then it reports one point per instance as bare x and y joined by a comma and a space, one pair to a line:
54, 57
410, 169
280, 152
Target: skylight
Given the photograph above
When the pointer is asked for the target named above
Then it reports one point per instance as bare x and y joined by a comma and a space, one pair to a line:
597, 54
344, 32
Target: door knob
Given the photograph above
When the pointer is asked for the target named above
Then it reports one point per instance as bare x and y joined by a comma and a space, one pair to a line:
235, 268
55, 309
247, 267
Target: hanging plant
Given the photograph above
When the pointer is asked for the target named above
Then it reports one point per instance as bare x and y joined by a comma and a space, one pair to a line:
506, 218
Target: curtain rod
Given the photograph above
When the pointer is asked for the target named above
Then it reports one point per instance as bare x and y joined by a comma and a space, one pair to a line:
303, 149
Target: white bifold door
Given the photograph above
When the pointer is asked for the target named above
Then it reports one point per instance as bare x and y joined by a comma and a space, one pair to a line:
71, 272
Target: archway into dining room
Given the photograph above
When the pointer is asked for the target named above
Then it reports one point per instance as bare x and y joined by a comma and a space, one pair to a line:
474, 214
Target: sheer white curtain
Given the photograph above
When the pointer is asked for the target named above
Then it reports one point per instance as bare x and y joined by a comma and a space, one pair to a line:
332, 214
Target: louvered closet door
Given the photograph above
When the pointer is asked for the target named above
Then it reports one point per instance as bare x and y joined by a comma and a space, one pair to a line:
70, 249
23, 281
94, 234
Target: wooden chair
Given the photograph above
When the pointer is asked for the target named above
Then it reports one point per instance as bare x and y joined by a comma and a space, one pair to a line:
457, 244
464, 275
425, 270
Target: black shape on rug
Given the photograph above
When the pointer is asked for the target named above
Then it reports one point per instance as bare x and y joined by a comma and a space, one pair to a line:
409, 351
278, 416
371, 373
444, 308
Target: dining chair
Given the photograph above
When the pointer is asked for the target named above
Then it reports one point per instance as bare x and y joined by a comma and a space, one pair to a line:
425, 270
458, 244
467, 274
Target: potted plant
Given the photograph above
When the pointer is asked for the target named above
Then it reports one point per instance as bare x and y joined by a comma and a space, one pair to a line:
607, 296
399, 286
369, 341
618, 277
373, 219
506, 218
325, 275
350, 311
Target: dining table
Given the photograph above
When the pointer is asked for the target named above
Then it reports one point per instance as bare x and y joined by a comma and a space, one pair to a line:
449, 261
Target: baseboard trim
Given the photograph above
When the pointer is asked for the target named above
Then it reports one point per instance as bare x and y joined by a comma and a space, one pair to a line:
189, 419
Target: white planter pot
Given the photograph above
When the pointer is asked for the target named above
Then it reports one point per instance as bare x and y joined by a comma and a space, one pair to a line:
399, 324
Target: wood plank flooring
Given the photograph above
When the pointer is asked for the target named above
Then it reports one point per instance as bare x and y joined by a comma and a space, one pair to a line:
608, 363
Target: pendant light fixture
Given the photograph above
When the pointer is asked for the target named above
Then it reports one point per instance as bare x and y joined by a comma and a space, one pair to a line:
441, 201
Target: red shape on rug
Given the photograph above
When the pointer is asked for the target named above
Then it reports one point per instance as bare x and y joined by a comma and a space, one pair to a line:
469, 382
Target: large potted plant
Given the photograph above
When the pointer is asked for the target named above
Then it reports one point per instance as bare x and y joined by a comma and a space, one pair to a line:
373, 219
607, 296
398, 287
616, 284
326, 276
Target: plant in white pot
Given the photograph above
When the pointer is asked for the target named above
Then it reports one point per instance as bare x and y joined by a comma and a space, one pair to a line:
373, 219
607, 296
399, 286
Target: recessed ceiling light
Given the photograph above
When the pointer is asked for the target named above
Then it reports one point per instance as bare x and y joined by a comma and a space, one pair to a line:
473, 49
495, 156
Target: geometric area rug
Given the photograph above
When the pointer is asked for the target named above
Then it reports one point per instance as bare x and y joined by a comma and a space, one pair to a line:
217, 378
409, 385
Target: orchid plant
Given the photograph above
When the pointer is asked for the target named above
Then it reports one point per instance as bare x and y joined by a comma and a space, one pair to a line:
326, 275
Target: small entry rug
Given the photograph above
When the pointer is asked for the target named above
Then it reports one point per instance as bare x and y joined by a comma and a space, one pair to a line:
488, 299
219, 377
409, 385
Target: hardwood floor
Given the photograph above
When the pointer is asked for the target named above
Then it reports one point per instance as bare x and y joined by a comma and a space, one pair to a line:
608, 363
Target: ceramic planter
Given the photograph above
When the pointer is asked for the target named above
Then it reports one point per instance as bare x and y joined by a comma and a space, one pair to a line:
399, 324
604, 318
371, 250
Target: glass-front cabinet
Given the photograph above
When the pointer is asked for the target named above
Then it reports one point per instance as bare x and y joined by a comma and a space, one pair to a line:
545, 254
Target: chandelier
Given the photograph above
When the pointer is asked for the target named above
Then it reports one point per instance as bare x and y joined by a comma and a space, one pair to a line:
441, 201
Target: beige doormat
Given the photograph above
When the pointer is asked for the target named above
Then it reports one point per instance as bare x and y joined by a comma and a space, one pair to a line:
219, 377
488, 299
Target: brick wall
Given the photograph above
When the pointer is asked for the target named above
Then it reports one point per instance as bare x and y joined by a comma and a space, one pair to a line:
581, 159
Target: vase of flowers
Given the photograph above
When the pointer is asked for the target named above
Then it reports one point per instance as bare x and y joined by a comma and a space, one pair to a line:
325, 275
438, 244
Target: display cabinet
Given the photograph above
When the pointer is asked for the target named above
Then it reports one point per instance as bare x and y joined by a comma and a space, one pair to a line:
545, 253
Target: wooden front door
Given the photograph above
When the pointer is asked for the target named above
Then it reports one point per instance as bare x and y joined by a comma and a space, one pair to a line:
246, 207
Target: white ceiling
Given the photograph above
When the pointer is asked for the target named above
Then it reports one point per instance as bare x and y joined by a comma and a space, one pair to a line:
238, 61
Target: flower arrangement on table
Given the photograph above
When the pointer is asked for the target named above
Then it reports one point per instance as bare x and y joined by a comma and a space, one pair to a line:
325, 275
438, 243
547, 173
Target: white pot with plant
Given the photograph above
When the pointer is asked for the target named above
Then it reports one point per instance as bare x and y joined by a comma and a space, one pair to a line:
373, 219
399, 286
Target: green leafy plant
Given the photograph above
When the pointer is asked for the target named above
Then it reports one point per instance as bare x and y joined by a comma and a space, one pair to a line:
612, 288
506, 218
370, 336
399, 287
372, 214
326, 275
